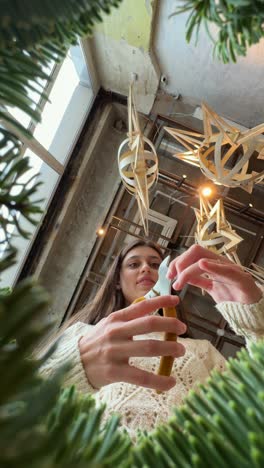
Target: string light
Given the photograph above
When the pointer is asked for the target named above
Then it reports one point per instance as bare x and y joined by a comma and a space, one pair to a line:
100, 232
246, 208
181, 181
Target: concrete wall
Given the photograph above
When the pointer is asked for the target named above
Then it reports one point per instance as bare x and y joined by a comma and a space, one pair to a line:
233, 90
139, 37
122, 47
87, 205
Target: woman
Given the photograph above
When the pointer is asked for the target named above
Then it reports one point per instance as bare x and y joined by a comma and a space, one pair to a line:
115, 345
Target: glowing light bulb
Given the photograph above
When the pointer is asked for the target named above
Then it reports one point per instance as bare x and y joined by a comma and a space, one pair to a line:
206, 191
100, 232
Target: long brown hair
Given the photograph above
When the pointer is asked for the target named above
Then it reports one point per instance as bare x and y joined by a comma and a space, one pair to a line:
109, 297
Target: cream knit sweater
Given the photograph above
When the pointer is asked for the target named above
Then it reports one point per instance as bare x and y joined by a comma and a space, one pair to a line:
143, 408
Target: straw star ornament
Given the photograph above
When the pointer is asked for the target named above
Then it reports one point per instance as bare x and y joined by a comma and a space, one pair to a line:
214, 232
213, 151
137, 162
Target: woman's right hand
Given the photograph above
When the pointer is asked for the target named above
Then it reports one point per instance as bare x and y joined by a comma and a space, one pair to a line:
105, 351
225, 280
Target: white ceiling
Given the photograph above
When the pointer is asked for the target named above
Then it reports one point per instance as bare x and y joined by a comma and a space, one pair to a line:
233, 90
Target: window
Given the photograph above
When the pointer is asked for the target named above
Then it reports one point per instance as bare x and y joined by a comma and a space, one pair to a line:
71, 96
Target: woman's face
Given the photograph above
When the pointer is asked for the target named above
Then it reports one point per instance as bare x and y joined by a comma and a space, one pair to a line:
139, 272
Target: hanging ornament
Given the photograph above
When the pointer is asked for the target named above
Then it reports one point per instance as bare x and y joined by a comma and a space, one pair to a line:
214, 232
191, 141
137, 162
213, 150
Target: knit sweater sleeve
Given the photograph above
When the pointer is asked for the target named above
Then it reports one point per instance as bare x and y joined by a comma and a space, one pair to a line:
245, 319
68, 351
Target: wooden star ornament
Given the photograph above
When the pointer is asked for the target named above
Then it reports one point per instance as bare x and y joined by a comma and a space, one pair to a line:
213, 151
137, 162
213, 231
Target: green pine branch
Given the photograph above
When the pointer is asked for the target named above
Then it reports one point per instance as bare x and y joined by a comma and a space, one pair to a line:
220, 425
52, 25
17, 190
34, 34
42, 425
239, 24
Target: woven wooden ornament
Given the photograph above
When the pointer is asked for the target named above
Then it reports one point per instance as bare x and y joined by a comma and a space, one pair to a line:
191, 141
216, 234
212, 151
137, 162
213, 231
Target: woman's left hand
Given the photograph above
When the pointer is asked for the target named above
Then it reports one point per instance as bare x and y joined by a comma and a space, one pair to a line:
224, 280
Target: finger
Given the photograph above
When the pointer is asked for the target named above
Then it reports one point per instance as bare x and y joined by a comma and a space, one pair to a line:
145, 307
146, 379
151, 348
190, 275
150, 324
238, 285
172, 270
200, 282
191, 256
222, 271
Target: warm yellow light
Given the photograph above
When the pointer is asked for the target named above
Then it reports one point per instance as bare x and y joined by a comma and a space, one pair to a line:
206, 191
101, 232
